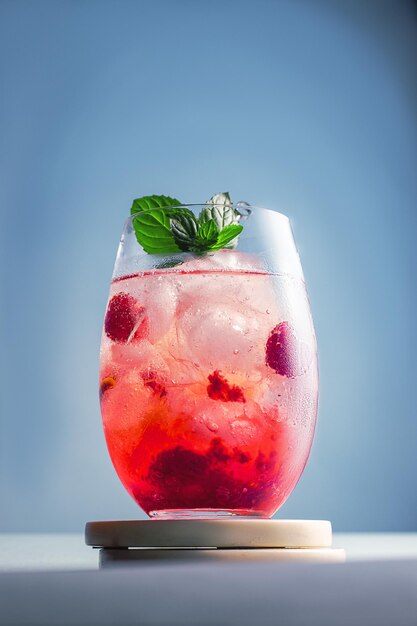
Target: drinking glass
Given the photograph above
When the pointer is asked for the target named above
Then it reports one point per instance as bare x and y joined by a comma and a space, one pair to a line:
208, 373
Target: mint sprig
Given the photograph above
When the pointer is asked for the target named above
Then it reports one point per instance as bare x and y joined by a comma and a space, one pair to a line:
162, 226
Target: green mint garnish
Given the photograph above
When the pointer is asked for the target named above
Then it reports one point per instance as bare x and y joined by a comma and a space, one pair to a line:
152, 223
162, 226
184, 228
226, 236
168, 263
219, 209
153, 202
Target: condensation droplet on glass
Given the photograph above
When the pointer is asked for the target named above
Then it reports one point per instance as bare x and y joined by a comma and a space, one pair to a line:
235, 351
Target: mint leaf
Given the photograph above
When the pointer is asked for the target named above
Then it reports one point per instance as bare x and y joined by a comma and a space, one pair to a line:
163, 226
152, 223
220, 210
226, 236
152, 202
222, 198
183, 227
205, 238
208, 231
153, 232
168, 263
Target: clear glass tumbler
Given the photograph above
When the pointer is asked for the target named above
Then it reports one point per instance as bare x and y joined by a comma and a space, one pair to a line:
208, 373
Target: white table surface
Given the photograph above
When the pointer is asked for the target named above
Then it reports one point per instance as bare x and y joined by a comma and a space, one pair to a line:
53, 580
20, 552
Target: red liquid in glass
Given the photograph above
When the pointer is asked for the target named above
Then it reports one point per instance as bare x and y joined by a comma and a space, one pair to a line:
208, 389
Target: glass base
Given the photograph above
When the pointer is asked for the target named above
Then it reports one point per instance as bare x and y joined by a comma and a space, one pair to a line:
206, 513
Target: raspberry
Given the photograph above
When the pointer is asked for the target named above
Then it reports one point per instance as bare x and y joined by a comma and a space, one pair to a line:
219, 389
124, 319
283, 351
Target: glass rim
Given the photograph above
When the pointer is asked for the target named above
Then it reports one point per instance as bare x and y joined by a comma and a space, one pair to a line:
249, 207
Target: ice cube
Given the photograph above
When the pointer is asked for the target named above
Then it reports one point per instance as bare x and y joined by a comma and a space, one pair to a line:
207, 418
223, 260
222, 278
220, 338
132, 360
160, 301
244, 431
157, 294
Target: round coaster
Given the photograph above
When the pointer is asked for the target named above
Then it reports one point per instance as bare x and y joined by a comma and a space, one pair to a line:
113, 556
236, 533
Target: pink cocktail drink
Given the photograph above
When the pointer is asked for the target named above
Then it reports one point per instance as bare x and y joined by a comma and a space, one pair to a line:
208, 386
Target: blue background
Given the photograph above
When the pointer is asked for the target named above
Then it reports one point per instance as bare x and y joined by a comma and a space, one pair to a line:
306, 106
